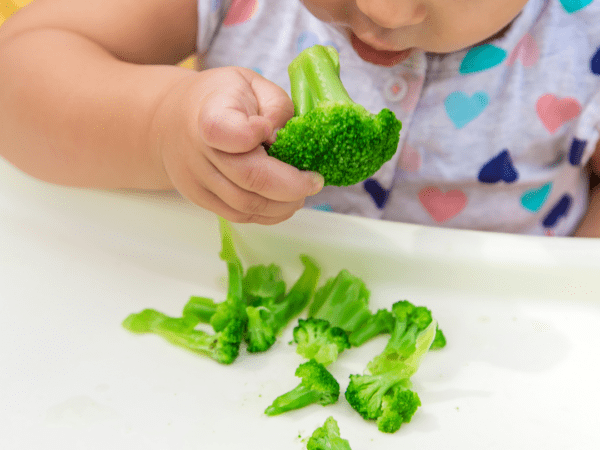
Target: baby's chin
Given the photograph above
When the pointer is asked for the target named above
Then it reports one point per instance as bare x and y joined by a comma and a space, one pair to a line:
386, 58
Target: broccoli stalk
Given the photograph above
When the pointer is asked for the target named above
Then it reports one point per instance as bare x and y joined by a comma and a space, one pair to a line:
384, 393
317, 386
382, 322
269, 315
327, 437
234, 306
343, 301
330, 133
318, 340
223, 346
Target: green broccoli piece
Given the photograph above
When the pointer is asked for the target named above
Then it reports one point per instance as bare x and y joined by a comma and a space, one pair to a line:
271, 314
385, 398
200, 308
263, 283
410, 323
439, 341
317, 386
385, 394
327, 437
382, 322
234, 306
223, 346
330, 133
318, 340
343, 301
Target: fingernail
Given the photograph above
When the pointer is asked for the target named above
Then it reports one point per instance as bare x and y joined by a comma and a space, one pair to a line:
273, 136
318, 182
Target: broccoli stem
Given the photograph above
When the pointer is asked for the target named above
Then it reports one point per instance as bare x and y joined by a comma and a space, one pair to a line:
201, 308
315, 77
297, 398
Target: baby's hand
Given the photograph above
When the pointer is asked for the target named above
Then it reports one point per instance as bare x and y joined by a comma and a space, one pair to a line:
209, 131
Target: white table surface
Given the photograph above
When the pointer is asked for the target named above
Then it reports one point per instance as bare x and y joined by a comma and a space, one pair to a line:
521, 314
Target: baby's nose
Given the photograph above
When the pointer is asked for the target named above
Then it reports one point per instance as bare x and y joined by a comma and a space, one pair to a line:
393, 13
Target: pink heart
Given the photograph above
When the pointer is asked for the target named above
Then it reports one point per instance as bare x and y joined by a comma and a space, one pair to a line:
526, 51
240, 11
410, 159
554, 112
442, 206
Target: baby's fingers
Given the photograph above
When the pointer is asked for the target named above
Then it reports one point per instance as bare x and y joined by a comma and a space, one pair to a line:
232, 130
266, 176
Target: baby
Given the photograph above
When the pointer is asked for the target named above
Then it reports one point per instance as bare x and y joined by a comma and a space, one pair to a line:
500, 104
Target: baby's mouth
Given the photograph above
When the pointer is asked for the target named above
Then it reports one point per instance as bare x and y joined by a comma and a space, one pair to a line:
370, 54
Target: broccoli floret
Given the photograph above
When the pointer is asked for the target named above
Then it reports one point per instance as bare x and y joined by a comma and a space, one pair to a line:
223, 346
271, 314
343, 301
385, 398
330, 133
318, 340
384, 394
327, 437
317, 386
410, 323
382, 322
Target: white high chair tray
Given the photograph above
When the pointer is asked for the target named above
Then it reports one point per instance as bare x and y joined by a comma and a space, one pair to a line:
521, 315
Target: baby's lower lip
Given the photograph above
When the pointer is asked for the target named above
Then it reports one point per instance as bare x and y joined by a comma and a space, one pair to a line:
379, 57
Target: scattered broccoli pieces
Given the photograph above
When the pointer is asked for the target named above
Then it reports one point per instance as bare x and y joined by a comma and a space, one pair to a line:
318, 340
327, 437
271, 314
317, 386
381, 322
330, 133
343, 301
223, 346
385, 394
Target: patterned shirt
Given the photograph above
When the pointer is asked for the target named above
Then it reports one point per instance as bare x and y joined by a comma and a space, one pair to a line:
495, 137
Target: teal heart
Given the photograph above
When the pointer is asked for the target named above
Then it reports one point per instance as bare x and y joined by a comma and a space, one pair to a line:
534, 199
482, 57
462, 109
572, 6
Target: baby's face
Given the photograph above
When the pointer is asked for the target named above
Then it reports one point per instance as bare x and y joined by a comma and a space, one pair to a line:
384, 31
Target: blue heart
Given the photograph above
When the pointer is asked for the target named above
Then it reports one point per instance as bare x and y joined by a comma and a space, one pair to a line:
534, 199
378, 193
323, 207
572, 6
462, 109
559, 210
499, 168
595, 63
482, 57
576, 151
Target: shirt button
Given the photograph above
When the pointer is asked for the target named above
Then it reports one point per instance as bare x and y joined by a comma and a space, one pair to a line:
396, 89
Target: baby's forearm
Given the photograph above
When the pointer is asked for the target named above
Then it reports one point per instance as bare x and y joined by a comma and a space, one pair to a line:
71, 113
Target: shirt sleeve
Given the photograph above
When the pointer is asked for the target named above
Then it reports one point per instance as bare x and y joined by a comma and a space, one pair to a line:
211, 14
